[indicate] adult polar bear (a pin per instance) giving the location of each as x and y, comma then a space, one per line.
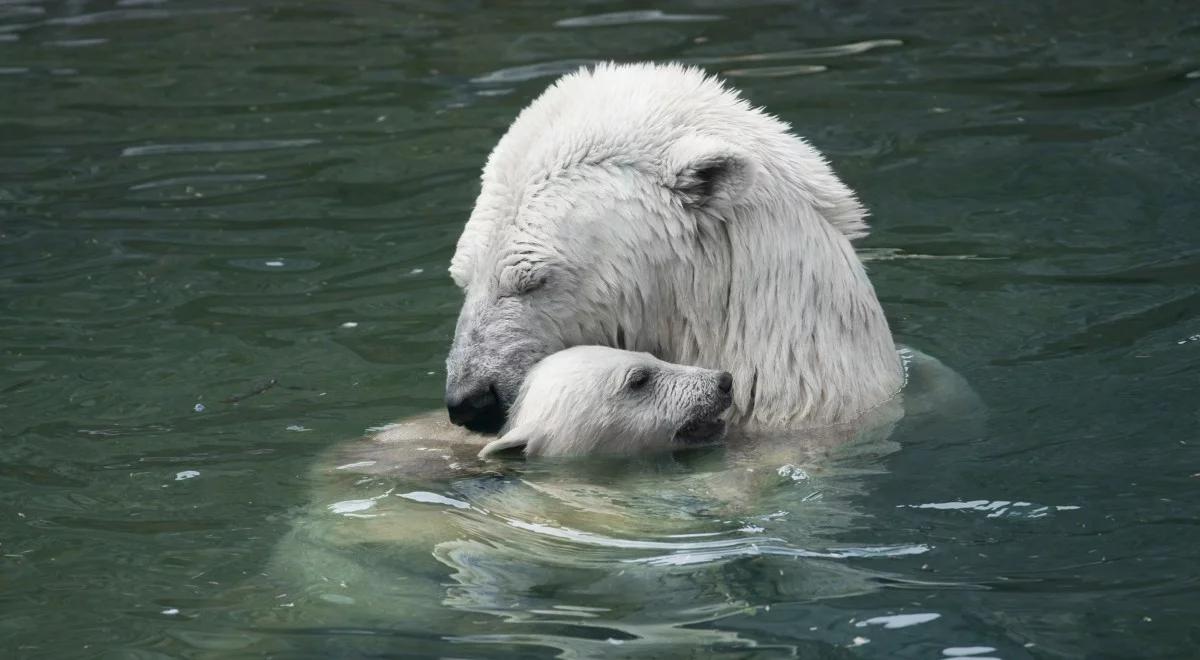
649, 207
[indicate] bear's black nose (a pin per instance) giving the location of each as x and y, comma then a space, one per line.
725, 382
479, 410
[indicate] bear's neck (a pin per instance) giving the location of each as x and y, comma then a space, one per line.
800, 326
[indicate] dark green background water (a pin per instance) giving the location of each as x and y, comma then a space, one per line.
196, 196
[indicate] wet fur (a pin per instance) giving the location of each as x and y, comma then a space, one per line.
651, 207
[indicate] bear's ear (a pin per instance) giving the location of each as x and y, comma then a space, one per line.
514, 439
708, 172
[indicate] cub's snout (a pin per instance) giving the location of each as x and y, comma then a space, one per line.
704, 425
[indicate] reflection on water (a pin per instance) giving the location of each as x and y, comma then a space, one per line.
637, 558
224, 228
643, 553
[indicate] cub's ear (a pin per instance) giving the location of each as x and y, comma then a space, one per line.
514, 439
706, 172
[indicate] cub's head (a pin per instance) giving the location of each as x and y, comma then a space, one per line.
598, 400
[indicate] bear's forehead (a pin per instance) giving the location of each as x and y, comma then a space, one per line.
629, 115
614, 120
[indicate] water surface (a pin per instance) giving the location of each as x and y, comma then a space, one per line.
224, 229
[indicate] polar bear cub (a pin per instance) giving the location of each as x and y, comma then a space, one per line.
600, 400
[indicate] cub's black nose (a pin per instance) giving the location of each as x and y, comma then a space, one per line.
479, 409
725, 382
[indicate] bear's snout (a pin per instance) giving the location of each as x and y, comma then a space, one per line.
477, 407
725, 382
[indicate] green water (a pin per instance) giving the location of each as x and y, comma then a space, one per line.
199, 199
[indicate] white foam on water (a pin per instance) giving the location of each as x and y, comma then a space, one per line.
426, 497
993, 508
899, 620
966, 651
351, 506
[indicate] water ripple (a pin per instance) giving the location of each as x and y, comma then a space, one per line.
135, 15
75, 43
996, 508
632, 17
704, 552
531, 71
840, 50
755, 549
198, 179
776, 71
229, 146
779, 71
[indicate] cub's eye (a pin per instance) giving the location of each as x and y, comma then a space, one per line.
637, 379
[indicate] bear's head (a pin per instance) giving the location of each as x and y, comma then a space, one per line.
598, 400
649, 208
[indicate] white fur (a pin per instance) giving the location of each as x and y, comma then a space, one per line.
581, 401
596, 224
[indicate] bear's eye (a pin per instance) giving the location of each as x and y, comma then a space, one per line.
637, 379
521, 279
532, 282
